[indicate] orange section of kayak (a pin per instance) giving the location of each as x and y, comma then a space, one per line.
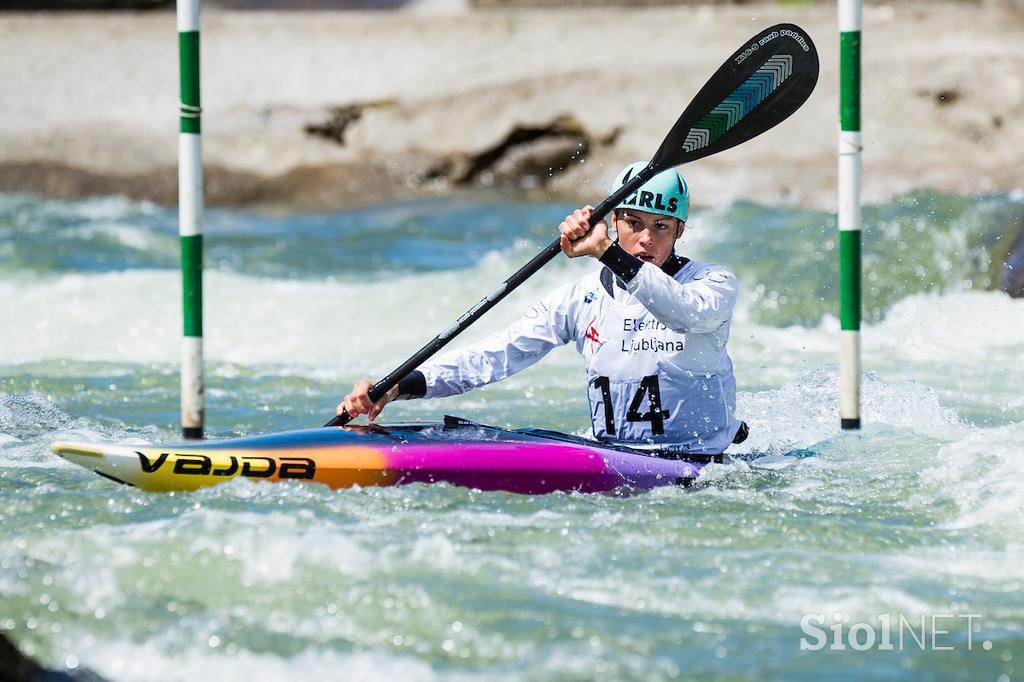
160, 469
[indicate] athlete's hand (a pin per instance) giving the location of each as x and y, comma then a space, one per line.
579, 239
358, 401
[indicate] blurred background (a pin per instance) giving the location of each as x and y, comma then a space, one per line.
306, 107
394, 4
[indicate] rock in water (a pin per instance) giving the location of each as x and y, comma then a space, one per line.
16, 667
1012, 278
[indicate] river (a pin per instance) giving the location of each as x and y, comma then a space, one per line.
781, 565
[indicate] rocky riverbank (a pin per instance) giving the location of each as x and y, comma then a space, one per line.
331, 109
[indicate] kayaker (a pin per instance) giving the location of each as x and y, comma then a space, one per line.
651, 326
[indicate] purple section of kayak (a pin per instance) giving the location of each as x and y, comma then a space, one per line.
534, 467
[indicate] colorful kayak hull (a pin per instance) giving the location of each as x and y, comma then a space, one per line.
467, 455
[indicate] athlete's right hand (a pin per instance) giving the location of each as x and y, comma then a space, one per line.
579, 238
358, 401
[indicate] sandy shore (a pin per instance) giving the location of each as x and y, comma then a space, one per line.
91, 103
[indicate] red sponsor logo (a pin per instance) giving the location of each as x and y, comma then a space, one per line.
593, 336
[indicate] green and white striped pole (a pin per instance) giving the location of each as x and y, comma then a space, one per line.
849, 213
190, 221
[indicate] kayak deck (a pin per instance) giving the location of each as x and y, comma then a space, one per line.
457, 452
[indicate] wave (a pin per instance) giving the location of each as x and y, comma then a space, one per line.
926, 241
135, 315
248, 320
109, 234
785, 256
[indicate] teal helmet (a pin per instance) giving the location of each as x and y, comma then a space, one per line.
665, 193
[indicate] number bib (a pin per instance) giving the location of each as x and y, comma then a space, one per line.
649, 384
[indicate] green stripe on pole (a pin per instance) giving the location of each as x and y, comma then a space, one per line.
188, 54
849, 280
849, 80
192, 283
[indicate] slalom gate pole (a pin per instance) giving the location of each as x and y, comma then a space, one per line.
849, 213
190, 221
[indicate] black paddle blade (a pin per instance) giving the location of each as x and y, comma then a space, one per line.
760, 86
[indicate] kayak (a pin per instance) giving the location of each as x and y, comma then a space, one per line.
457, 451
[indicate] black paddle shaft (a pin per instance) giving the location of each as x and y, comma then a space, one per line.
379, 389
767, 79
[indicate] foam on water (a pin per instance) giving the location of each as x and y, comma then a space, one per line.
209, 659
323, 325
951, 327
983, 473
801, 412
249, 321
24, 416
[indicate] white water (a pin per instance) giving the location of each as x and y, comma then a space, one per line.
920, 513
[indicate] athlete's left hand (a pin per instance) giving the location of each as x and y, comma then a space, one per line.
358, 401
579, 239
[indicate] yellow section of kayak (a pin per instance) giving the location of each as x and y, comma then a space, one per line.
162, 469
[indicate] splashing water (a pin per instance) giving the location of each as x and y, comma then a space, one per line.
917, 516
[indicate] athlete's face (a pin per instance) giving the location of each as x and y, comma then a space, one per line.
648, 236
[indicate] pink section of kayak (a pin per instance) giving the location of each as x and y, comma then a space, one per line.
533, 467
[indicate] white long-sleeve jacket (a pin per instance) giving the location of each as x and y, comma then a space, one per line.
654, 348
